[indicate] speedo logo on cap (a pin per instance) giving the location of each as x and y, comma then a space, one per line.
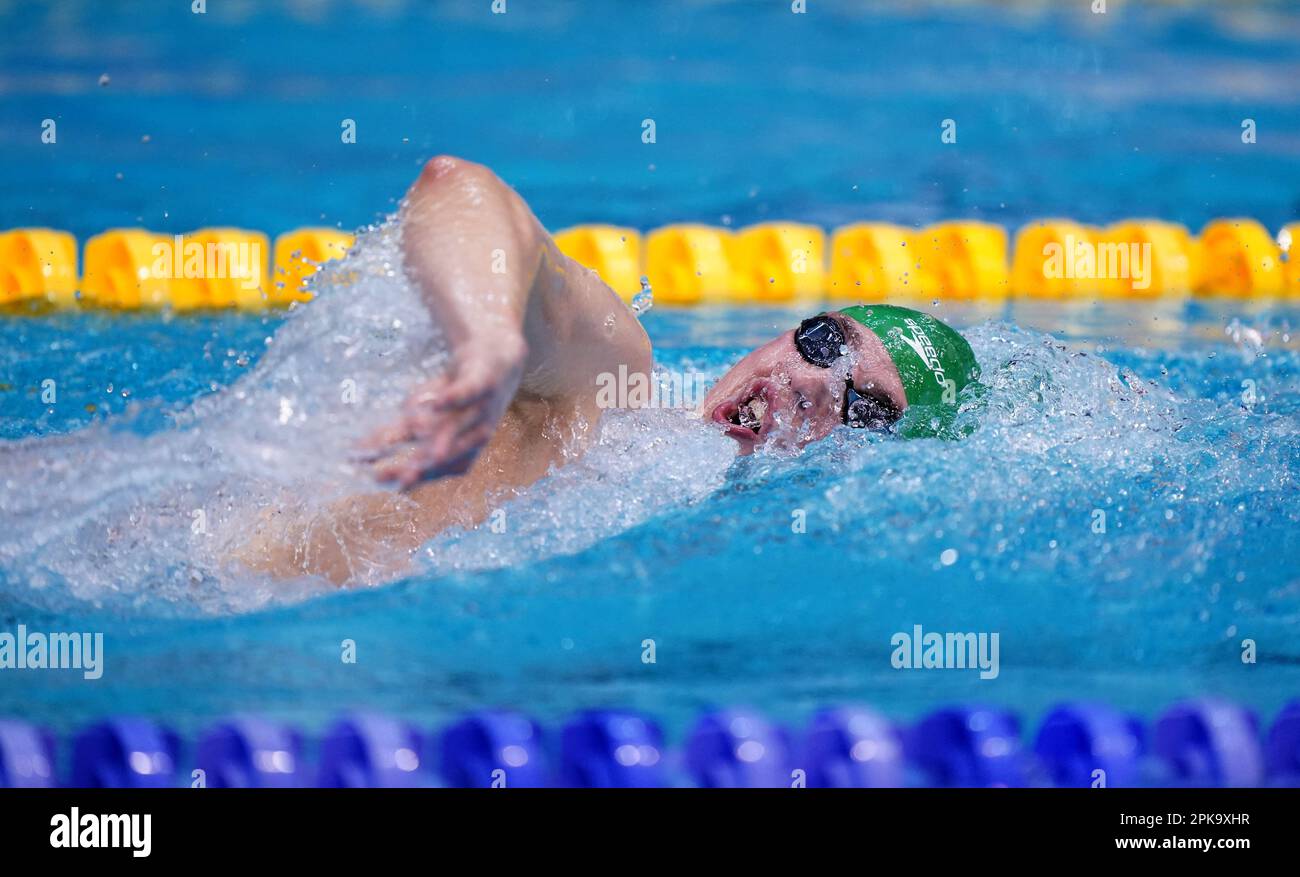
923, 347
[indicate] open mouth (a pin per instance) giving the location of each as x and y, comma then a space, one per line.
748, 416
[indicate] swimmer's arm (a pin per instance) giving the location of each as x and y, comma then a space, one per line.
519, 316
472, 249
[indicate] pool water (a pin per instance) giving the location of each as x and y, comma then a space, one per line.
1177, 422
660, 534
234, 117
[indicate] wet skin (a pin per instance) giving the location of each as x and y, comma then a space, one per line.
774, 394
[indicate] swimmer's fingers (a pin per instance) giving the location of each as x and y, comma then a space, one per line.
388, 441
400, 468
466, 389
378, 443
453, 452
386, 447
473, 413
408, 471
413, 426
443, 426
451, 395
446, 455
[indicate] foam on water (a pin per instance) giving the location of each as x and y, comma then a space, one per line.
110, 515
645, 463
1079, 468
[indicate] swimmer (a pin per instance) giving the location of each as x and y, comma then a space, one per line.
529, 332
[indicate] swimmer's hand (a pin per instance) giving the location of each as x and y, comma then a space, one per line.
446, 422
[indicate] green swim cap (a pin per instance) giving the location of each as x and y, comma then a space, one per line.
927, 353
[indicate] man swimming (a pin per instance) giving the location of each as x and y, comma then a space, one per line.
529, 332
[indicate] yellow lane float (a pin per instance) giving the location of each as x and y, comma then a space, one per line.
1288, 240
872, 261
961, 260
128, 268
1146, 258
690, 264
1239, 258
1055, 258
38, 263
612, 252
298, 255
780, 262
219, 268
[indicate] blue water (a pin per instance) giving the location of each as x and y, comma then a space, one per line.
828, 117
658, 534
1200, 550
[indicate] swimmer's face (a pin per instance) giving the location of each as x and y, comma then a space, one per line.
774, 394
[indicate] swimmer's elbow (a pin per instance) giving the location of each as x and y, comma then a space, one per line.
454, 177
455, 200
444, 170
440, 166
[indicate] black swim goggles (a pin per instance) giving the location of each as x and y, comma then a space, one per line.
820, 340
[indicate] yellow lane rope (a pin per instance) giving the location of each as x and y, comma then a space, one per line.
687, 264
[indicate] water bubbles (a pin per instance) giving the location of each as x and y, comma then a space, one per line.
643, 300
643, 463
275, 438
1249, 339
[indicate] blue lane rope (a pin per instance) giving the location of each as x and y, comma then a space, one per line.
1203, 742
